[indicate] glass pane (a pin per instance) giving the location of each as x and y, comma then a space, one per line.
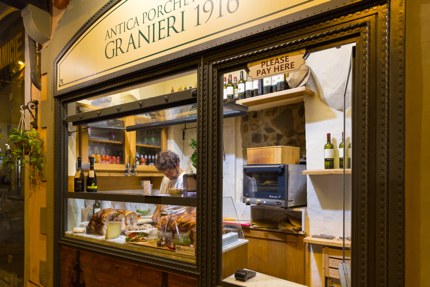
175, 83
132, 185
275, 168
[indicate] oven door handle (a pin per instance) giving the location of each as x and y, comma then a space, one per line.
264, 168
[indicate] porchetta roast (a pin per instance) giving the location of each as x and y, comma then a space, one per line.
100, 220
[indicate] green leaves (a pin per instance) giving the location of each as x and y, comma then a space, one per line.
21, 144
193, 158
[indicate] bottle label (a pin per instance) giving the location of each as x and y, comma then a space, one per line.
329, 153
241, 88
248, 86
255, 84
79, 185
92, 187
230, 90
267, 81
91, 173
224, 95
341, 152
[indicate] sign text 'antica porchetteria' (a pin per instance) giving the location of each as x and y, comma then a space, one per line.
161, 22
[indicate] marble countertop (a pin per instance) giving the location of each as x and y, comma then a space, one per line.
263, 280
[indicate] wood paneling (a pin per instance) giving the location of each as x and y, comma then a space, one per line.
176, 280
277, 254
100, 271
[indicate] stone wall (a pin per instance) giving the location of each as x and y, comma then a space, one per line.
283, 125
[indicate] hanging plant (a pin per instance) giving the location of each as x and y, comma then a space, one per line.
24, 146
193, 158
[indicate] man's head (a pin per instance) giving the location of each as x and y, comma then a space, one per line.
168, 163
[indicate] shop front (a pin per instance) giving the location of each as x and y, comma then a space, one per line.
225, 143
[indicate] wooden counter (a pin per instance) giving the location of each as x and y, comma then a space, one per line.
262, 280
327, 242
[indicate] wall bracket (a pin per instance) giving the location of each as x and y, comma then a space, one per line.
32, 106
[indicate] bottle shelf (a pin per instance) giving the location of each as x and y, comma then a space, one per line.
105, 169
95, 140
148, 146
336, 171
285, 97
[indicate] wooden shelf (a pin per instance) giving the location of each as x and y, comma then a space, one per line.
104, 141
129, 196
327, 242
148, 146
337, 171
105, 169
286, 97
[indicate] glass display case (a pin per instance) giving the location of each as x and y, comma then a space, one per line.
232, 229
130, 224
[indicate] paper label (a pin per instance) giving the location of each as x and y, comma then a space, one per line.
241, 88
329, 153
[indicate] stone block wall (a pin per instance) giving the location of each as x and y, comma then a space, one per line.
283, 125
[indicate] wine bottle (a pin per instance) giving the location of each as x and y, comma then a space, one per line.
241, 87
92, 177
328, 153
224, 92
349, 155
341, 153
96, 207
230, 89
267, 85
286, 86
235, 88
79, 177
275, 83
255, 87
248, 87
280, 85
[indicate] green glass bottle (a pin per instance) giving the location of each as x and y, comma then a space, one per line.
241, 87
230, 89
341, 153
96, 207
79, 177
248, 87
328, 153
349, 155
224, 92
92, 177
235, 89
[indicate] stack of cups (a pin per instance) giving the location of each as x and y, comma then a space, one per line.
147, 187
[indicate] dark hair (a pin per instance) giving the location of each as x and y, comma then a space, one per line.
166, 160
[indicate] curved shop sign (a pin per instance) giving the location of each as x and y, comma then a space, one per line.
135, 33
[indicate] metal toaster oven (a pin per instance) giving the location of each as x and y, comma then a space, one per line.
274, 184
